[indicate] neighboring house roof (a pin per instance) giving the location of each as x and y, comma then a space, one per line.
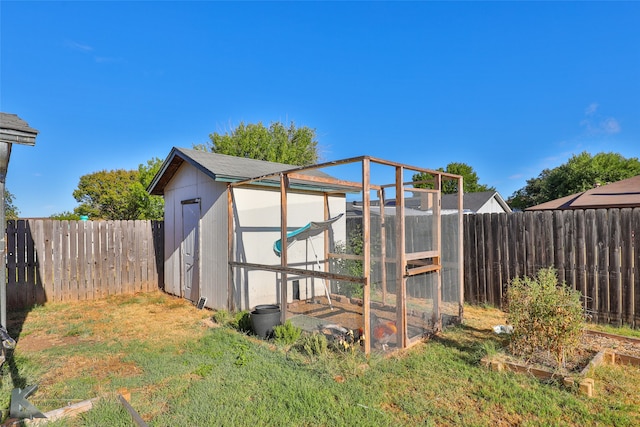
15, 130
483, 202
471, 202
621, 194
220, 167
476, 202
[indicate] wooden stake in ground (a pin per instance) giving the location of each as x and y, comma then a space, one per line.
136, 417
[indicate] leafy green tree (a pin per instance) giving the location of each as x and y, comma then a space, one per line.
580, 173
277, 143
10, 209
66, 215
106, 195
119, 194
469, 180
150, 207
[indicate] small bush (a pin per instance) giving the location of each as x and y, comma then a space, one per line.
242, 321
286, 334
222, 317
544, 316
312, 345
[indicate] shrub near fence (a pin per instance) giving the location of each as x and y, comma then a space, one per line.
51, 260
594, 251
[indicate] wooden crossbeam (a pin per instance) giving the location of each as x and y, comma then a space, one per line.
422, 269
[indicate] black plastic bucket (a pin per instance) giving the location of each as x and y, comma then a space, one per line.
267, 308
263, 323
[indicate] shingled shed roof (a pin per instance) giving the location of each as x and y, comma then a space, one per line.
15, 130
220, 167
621, 194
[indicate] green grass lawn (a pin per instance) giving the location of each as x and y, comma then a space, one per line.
180, 370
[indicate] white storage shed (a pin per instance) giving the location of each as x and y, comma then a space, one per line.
194, 184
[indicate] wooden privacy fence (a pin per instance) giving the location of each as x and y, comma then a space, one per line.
594, 251
51, 260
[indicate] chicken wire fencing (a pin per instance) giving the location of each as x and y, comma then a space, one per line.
372, 264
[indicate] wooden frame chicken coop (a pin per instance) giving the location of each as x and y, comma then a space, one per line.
355, 248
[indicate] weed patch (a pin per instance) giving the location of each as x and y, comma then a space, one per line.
545, 316
287, 333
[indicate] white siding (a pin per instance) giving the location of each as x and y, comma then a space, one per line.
492, 206
214, 266
258, 228
190, 183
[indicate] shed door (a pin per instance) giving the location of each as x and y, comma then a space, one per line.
190, 244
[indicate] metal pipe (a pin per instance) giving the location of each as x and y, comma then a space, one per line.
5, 153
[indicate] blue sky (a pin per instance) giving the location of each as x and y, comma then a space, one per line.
509, 88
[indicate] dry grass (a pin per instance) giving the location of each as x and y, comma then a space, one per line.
166, 353
59, 339
154, 317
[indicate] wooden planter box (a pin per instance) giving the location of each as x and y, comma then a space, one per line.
586, 384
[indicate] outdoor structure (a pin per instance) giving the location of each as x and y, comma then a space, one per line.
473, 203
620, 194
477, 203
13, 130
391, 279
196, 257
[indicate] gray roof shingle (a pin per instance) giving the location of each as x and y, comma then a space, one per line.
220, 167
15, 130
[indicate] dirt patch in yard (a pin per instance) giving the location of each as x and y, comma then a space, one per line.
152, 317
96, 368
33, 343
52, 335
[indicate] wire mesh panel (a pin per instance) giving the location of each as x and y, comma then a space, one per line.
390, 269
451, 268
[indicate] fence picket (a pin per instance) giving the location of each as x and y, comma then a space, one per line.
581, 256
470, 276
602, 230
594, 251
626, 265
480, 259
56, 255
50, 260
635, 235
559, 252
46, 261
11, 253
529, 247
74, 292
488, 259
569, 249
591, 263
615, 276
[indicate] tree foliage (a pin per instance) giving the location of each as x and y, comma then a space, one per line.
469, 180
276, 143
65, 216
119, 194
11, 211
580, 173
